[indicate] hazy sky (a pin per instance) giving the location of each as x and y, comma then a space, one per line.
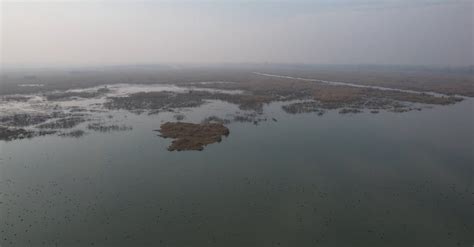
92, 32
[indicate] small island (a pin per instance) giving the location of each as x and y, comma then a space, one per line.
191, 136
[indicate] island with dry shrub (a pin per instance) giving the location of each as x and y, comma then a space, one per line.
191, 136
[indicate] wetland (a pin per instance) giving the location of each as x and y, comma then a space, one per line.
91, 159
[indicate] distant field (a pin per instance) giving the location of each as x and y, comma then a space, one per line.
446, 81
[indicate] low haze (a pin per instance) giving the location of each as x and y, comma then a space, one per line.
58, 33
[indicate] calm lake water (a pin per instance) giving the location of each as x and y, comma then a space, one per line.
387, 179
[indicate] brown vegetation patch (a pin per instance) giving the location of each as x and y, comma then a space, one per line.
304, 107
338, 94
190, 136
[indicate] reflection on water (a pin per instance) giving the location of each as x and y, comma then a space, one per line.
335, 180
38, 103
127, 89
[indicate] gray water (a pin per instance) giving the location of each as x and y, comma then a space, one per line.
386, 179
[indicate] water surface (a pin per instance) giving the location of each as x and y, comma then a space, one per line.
386, 179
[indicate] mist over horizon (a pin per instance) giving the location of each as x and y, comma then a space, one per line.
102, 33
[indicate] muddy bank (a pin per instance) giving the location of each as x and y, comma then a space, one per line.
190, 136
